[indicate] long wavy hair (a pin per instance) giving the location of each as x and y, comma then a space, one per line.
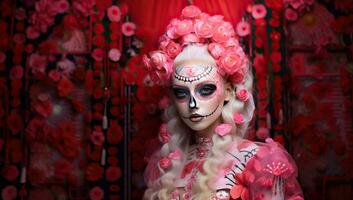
181, 138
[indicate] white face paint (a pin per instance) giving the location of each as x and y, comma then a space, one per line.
199, 94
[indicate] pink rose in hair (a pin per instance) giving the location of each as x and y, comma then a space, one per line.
171, 33
173, 49
238, 77
231, 62
223, 32
184, 27
232, 42
242, 94
158, 58
215, 20
238, 118
216, 50
223, 129
203, 29
191, 12
147, 62
164, 163
189, 38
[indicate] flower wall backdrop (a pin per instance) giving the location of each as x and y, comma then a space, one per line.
80, 116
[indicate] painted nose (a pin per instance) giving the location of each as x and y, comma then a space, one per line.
192, 103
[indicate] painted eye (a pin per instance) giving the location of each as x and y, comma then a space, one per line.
207, 90
180, 93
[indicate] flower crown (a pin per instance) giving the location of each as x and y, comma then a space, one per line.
196, 27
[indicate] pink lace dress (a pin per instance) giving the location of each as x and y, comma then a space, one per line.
250, 171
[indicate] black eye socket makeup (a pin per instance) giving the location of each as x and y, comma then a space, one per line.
206, 90
180, 93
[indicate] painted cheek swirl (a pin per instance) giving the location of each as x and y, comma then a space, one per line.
190, 79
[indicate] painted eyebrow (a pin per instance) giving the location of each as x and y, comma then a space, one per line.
193, 78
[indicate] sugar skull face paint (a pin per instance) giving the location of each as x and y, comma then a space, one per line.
199, 94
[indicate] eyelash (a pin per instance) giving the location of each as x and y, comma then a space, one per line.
180, 93
203, 91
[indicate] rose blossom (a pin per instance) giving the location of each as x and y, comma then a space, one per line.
242, 94
231, 62
97, 137
38, 63
259, 11
32, 33
164, 163
183, 27
128, 28
238, 118
96, 193
291, 15
216, 50
62, 6
203, 29
9, 193
10, 172
223, 32
97, 54
243, 29
114, 14
158, 58
173, 49
54, 75
114, 54
113, 173
190, 12
223, 129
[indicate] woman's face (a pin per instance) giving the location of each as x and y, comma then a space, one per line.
198, 94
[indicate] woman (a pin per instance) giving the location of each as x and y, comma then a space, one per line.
204, 155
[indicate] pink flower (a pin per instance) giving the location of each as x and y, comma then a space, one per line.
164, 163
238, 118
16, 72
62, 6
189, 38
54, 75
113, 173
243, 29
114, 54
203, 29
164, 134
32, 33
242, 94
259, 11
190, 12
9, 193
128, 28
223, 32
223, 129
97, 137
262, 133
175, 155
183, 27
20, 14
114, 14
291, 15
158, 58
96, 193
231, 61
216, 50
173, 49
10, 172
38, 63
2, 57
97, 54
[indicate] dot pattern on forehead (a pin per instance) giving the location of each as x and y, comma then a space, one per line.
193, 78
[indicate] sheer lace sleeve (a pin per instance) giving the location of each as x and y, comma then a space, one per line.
269, 175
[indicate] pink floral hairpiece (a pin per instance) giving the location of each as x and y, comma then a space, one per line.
196, 27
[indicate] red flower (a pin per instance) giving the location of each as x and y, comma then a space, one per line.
98, 28
259, 11
37, 129
243, 29
113, 173
276, 57
94, 172
15, 123
70, 22
10, 172
114, 13
9, 193
96, 193
128, 28
115, 133
112, 160
65, 87
240, 190
97, 137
